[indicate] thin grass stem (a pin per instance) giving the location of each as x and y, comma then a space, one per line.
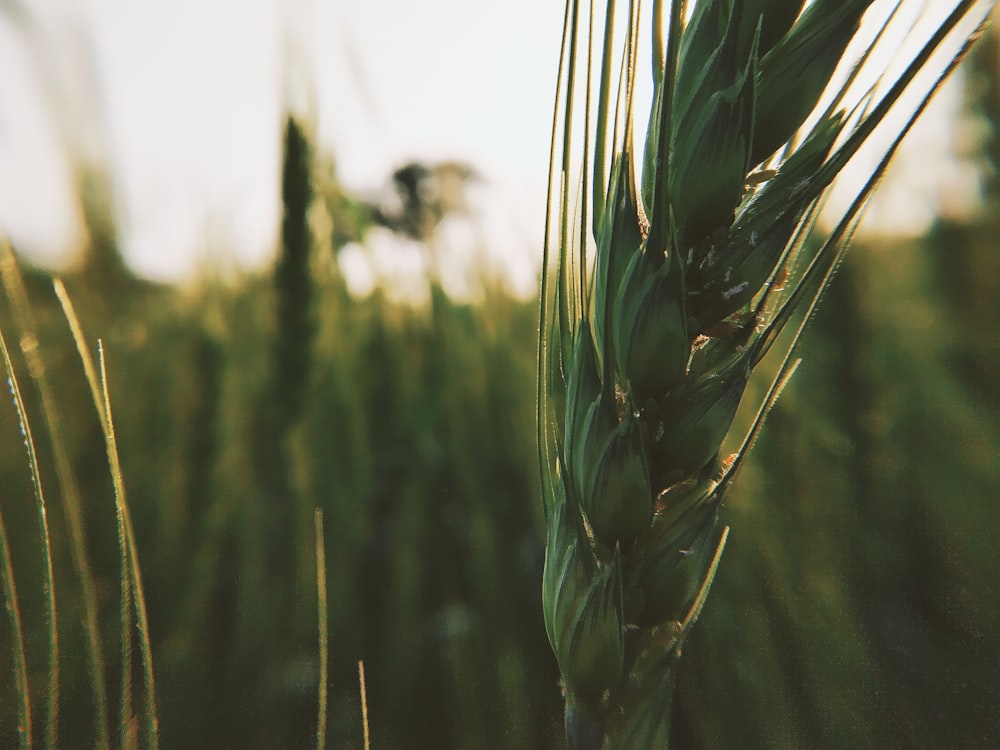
21, 687
364, 705
134, 571
52, 673
68, 485
126, 733
323, 630
131, 575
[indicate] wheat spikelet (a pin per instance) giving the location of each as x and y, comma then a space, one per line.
665, 289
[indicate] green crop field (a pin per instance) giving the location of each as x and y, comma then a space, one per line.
176, 602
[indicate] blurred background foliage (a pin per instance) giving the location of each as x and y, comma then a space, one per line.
856, 606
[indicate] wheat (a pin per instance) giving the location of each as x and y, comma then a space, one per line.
672, 270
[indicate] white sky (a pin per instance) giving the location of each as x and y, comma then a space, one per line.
182, 100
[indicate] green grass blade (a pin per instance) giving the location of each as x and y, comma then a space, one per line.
21, 687
126, 729
52, 672
323, 630
363, 686
134, 571
131, 576
68, 485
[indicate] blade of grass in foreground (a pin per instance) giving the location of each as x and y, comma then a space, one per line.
131, 575
52, 685
324, 648
10, 601
364, 704
69, 488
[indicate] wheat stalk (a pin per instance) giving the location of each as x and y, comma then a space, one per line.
672, 270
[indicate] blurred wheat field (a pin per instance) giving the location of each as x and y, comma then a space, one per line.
856, 605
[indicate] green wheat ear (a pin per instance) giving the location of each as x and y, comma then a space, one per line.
664, 290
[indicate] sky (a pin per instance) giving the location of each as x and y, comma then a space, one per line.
181, 101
